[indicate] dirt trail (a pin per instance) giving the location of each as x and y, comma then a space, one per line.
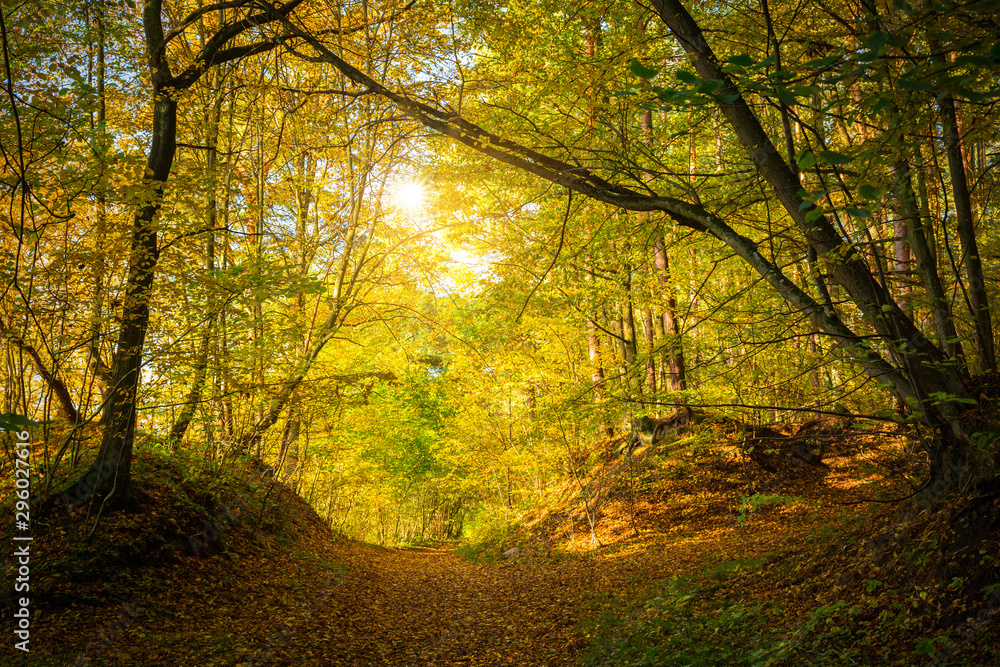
322, 600
341, 603
430, 607
415, 607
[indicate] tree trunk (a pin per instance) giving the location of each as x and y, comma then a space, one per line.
110, 475
98, 272
650, 334
967, 234
673, 349
926, 265
963, 215
180, 426
193, 397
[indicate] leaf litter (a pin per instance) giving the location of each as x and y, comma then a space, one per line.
276, 587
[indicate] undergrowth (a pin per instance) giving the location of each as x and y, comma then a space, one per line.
488, 535
841, 599
680, 622
181, 507
195, 535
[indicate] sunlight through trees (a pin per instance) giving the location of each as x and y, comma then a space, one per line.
222, 233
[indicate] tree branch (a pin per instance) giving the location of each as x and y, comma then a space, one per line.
66, 407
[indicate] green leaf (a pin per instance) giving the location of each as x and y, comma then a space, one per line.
910, 84
785, 96
15, 422
708, 86
805, 159
868, 192
804, 91
883, 102
818, 63
641, 70
766, 62
859, 212
814, 214
742, 60
686, 76
876, 41
835, 158
977, 60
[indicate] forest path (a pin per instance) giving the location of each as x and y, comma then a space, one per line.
428, 606
292, 593
323, 600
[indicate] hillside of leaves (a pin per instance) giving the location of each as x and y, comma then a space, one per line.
743, 553
718, 544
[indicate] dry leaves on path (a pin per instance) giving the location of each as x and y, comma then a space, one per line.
430, 607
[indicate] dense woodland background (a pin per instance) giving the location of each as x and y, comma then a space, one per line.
213, 242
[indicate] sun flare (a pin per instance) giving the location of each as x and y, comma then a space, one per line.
410, 195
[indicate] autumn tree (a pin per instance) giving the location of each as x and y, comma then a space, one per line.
167, 52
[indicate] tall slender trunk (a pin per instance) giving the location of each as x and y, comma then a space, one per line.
650, 335
596, 360
672, 346
967, 234
99, 233
926, 266
965, 224
288, 453
193, 398
901, 263
110, 475
629, 333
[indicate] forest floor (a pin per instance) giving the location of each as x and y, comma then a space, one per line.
201, 572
